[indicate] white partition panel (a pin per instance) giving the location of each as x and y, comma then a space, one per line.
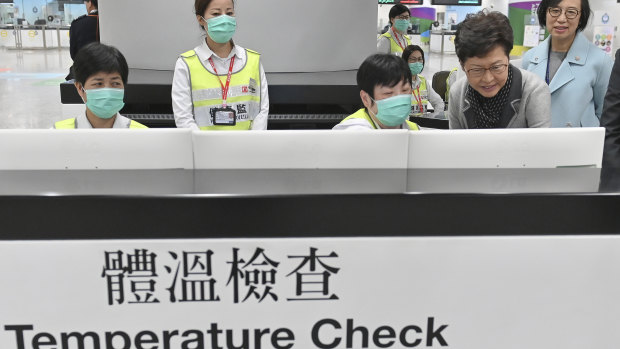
507, 148
291, 35
300, 149
95, 149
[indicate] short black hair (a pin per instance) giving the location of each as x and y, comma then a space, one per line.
95, 58
480, 33
397, 10
95, 3
411, 49
544, 6
382, 69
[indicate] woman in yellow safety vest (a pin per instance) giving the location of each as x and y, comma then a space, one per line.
421, 91
385, 90
219, 85
100, 73
395, 39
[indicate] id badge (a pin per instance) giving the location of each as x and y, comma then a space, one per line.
224, 116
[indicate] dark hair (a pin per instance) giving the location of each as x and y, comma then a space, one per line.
382, 69
397, 10
95, 58
411, 49
480, 33
94, 2
546, 4
200, 6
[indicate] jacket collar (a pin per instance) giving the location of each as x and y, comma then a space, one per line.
512, 102
576, 55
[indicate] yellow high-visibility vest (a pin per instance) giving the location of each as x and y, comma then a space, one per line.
243, 93
423, 96
70, 124
362, 114
394, 46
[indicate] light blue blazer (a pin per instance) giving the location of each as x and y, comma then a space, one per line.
579, 86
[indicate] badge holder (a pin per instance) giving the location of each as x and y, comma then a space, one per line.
224, 116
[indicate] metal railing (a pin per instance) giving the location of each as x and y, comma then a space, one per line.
19, 30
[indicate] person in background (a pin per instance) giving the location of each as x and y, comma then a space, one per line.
84, 30
455, 74
101, 73
495, 94
219, 85
385, 89
421, 90
395, 39
576, 71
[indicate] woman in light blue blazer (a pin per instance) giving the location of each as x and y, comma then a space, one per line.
576, 71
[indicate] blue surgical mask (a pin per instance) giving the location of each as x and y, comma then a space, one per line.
221, 28
393, 111
416, 68
105, 102
401, 24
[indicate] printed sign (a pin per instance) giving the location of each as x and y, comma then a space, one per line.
466, 293
531, 35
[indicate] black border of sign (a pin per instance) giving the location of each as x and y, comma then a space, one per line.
195, 216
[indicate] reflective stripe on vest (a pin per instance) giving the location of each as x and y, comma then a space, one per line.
394, 46
362, 114
423, 95
70, 124
243, 93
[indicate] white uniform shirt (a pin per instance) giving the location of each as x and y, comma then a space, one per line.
182, 90
81, 122
358, 124
433, 97
384, 45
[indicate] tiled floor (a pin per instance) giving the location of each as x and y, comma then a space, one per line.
29, 92
30, 95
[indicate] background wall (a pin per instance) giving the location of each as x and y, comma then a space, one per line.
291, 35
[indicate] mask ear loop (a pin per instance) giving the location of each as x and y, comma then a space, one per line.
83, 90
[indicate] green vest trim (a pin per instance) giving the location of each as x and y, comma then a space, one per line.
70, 124
394, 46
362, 114
243, 94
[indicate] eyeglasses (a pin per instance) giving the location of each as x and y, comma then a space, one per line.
494, 69
403, 17
570, 13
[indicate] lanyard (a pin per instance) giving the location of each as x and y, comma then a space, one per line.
418, 98
224, 88
547, 80
398, 40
